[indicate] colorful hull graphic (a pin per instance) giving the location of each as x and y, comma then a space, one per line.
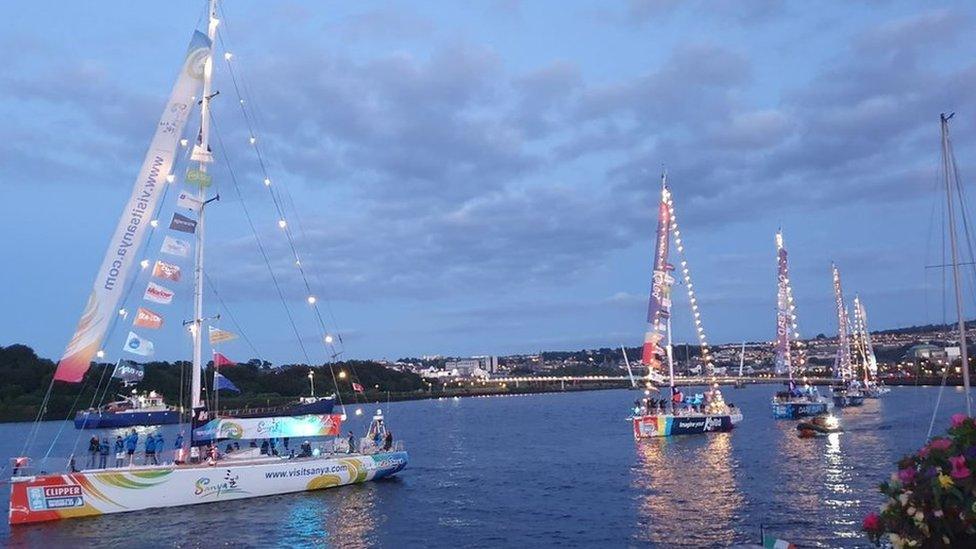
666, 425
796, 410
90, 493
113, 420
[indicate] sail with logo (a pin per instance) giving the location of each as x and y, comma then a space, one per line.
153, 261
676, 413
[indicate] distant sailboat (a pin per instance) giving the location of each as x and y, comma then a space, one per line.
740, 383
795, 402
864, 349
676, 415
847, 392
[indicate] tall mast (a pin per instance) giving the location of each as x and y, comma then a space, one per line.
202, 155
842, 364
949, 168
784, 309
742, 358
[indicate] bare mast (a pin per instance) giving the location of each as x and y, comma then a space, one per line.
949, 169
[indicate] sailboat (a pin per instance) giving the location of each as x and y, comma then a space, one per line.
678, 414
867, 361
847, 391
203, 474
795, 402
740, 382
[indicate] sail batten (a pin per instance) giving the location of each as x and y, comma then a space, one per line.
133, 226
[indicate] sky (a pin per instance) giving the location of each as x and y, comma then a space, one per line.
468, 178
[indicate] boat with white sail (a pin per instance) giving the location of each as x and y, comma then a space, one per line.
867, 362
847, 389
676, 414
796, 401
212, 465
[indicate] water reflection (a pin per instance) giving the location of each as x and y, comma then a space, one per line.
687, 493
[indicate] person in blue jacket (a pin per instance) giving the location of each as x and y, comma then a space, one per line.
160, 446
131, 442
151, 450
103, 449
119, 451
177, 449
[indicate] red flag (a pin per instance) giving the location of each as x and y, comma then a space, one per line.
221, 360
357, 387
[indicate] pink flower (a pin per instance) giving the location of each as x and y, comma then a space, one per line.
959, 419
872, 523
959, 469
907, 475
940, 444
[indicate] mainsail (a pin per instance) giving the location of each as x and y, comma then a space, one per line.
131, 231
842, 362
862, 338
784, 363
659, 305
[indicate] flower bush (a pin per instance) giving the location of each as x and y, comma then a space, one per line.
931, 499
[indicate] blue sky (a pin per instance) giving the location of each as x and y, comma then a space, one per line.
480, 177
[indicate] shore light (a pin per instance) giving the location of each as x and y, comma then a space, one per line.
342, 374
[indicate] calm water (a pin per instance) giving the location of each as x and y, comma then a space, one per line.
554, 469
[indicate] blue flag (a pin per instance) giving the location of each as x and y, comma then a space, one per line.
221, 382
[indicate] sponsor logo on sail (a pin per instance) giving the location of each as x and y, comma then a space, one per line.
158, 294
148, 319
183, 223
166, 271
175, 246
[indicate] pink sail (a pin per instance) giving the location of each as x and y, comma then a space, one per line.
659, 304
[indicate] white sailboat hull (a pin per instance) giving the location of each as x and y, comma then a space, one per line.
98, 492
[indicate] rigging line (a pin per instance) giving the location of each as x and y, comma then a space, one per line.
329, 348
252, 123
230, 314
257, 238
964, 211
280, 211
94, 396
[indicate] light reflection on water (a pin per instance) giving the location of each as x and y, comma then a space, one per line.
695, 504
551, 469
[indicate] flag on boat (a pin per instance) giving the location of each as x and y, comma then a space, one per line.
221, 360
357, 387
130, 232
175, 246
188, 201
772, 542
183, 223
128, 371
221, 382
166, 271
146, 318
158, 294
219, 336
137, 345
199, 178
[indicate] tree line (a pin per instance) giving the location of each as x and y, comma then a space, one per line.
25, 378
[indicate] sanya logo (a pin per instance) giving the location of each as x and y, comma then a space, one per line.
228, 485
